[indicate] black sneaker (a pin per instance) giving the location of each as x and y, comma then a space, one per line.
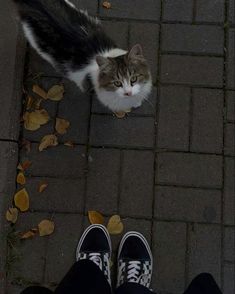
135, 260
95, 245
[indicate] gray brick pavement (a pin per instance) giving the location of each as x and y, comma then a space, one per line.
183, 138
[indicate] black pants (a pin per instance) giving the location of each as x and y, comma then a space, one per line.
86, 278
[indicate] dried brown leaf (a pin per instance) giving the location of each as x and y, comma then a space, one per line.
69, 144
95, 217
115, 225
25, 165
107, 4
29, 102
21, 178
21, 200
12, 215
56, 93
46, 227
48, 141
39, 91
30, 234
62, 125
42, 186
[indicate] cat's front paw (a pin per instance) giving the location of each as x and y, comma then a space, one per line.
122, 114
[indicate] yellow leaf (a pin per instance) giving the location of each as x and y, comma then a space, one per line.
56, 93
95, 217
21, 199
39, 116
47, 141
39, 91
69, 144
12, 215
120, 114
107, 4
30, 234
61, 125
21, 179
42, 186
28, 124
46, 227
115, 225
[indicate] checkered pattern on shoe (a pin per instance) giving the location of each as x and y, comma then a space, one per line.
102, 260
135, 271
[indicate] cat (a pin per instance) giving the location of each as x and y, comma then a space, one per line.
76, 45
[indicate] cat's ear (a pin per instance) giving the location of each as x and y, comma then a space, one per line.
135, 51
101, 61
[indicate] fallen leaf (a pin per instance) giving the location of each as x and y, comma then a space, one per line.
95, 217
42, 186
69, 144
46, 227
30, 234
29, 102
37, 103
25, 165
56, 93
12, 215
21, 200
20, 167
28, 124
106, 4
39, 91
21, 179
120, 114
61, 125
115, 225
48, 141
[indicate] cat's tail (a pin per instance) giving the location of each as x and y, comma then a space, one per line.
56, 29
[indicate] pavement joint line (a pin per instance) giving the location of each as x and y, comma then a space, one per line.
191, 113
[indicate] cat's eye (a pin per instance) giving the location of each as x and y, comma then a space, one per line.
133, 79
118, 83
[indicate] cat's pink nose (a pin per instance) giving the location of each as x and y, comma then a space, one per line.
129, 93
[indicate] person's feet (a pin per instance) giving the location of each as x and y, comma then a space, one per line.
95, 245
135, 260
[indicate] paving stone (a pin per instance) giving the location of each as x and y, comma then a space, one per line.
118, 31
173, 122
38, 66
137, 183
75, 107
184, 169
13, 289
229, 191
229, 282
124, 9
90, 6
229, 145
210, 11
12, 52
231, 11
103, 180
198, 205
148, 41
60, 161
148, 108
229, 244
180, 10
192, 70
30, 266
230, 106
61, 195
207, 121
192, 39
130, 131
169, 256
230, 61
62, 246
205, 250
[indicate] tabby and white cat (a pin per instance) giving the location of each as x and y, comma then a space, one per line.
75, 44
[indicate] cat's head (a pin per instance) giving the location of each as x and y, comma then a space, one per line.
126, 75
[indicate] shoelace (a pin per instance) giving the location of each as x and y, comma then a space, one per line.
133, 272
